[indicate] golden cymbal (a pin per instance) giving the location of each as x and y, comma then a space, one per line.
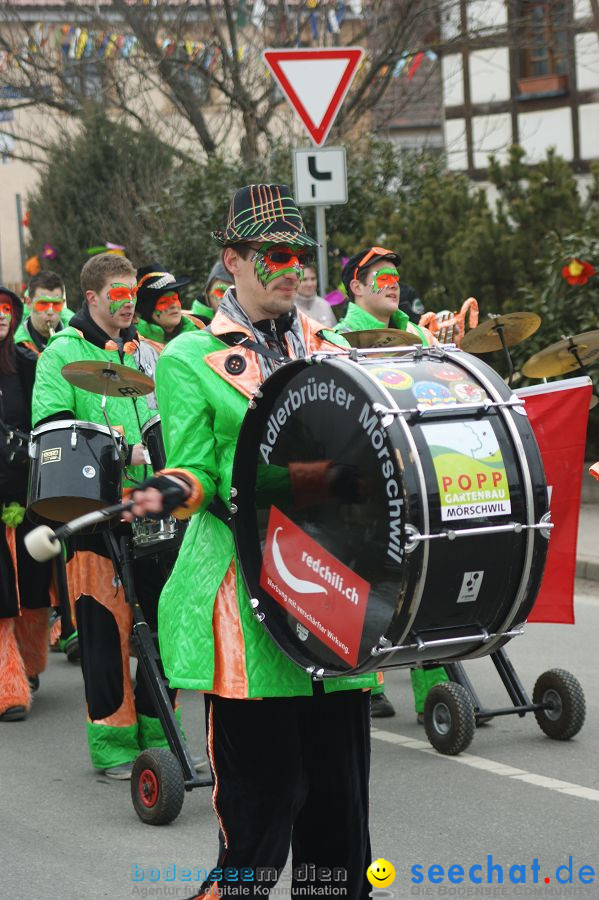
108, 378
517, 326
380, 337
558, 358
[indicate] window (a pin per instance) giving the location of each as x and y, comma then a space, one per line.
543, 39
83, 79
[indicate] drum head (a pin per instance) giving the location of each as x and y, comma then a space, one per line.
322, 497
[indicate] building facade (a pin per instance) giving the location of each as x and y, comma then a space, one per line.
520, 72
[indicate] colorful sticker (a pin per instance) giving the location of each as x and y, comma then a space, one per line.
470, 470
468, 392
446, 372
429, 393
390, 377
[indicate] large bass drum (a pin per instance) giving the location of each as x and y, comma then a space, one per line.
389, 510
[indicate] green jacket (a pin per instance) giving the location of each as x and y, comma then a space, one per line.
202, 309
154, 332
357, 319
52, 393
202, 406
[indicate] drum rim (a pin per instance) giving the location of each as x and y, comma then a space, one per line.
67, 425
150, 423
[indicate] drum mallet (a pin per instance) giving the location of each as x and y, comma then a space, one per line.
43, 543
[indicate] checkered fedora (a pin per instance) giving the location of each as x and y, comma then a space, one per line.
264, 212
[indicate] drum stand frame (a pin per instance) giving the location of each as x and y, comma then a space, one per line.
514, 687
147, 656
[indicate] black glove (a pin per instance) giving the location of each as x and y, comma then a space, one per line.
173, 495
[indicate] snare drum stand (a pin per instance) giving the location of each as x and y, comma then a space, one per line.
157, 782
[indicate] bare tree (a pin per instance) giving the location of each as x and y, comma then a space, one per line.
193, 69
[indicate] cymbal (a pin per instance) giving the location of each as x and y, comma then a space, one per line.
108, 378
557, 359
380, 337
517, 326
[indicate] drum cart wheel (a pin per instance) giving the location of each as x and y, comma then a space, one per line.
558, 701
563, 705
157, 786
449, 718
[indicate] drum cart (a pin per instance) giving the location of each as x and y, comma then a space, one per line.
453, 709
159, 778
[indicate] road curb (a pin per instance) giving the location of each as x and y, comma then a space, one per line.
587, 568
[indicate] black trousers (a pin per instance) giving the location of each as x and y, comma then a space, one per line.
292, 772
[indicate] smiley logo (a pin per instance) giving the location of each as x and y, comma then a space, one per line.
380, 873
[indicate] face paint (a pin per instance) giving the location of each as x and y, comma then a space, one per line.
384, 278
43, 304
167, 301
6, 311
119, 295
273, 260
219, 290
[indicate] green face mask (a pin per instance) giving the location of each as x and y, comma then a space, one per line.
384, 278
275, 260
119, 295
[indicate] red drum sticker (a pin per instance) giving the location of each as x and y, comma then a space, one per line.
468, 392
314, 587
446, 373
470, 470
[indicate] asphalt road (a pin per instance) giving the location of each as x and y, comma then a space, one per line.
67, 832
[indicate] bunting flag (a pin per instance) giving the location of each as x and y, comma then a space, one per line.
415, 64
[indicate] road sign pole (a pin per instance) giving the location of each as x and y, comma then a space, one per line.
321, 237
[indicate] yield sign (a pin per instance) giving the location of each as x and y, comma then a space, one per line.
315, 82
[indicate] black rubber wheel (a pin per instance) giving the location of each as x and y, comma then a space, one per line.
157, 787
565, 716
449, 718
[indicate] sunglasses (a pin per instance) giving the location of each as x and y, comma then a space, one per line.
282, 256
5, 309
45, 303
374, 251
168, 300
121, 293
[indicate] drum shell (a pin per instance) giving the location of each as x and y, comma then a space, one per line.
151, 436
74, 469
425, 598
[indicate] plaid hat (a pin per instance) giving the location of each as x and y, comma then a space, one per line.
267, 213
363, 260
152, 282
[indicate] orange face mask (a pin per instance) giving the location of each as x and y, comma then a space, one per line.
45, 303
6, 310
167, 301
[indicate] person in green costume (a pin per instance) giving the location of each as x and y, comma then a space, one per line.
371, 279
121, 720
286, 751
219, 281
50, 285
158, 309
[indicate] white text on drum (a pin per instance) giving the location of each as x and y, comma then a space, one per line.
332, 578
307, 393
371, 425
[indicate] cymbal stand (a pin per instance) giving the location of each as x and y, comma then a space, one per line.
498, 329
573, 349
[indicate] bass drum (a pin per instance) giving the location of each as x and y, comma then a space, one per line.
389, 509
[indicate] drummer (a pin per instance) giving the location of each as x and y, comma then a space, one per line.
283, 764
47, 313
24, 584
121, 721
371, 279
159, 314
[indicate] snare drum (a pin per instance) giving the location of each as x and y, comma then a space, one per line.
151, 437
76, 468
390, 510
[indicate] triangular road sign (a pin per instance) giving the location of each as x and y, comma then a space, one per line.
315, 82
